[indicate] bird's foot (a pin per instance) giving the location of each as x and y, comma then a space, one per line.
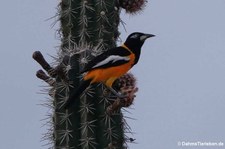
120, 95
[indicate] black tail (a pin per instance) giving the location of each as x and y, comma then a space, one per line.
76, 93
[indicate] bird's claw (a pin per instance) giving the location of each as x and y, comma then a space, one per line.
120, 95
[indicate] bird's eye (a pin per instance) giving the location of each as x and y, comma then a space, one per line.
134, 36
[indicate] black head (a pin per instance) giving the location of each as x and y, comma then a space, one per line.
135, 40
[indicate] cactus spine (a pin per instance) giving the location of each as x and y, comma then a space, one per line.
88, 28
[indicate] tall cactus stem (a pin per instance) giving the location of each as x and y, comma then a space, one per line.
96, 120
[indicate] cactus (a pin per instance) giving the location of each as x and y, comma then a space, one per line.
87, 28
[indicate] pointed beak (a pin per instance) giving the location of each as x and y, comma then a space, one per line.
149, 35
145, 36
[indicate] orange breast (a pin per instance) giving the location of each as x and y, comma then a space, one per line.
104, 74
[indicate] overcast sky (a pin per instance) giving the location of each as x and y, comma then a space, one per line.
181, 73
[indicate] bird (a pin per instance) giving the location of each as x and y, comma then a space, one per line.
110, 65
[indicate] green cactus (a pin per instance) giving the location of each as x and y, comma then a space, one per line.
87, 29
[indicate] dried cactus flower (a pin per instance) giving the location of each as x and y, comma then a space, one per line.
126, 85
132, 6
130, 95
126, 81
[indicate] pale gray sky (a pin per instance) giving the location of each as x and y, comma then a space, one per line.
181, 74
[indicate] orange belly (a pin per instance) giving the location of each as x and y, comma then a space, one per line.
108, 74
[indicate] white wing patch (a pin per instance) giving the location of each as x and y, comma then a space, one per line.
113, 58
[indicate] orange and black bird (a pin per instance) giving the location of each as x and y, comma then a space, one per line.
110, 65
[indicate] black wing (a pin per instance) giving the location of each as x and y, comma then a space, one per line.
113, 57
